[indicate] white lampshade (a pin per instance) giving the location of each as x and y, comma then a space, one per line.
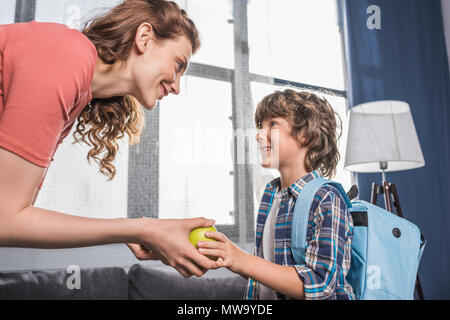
382, 131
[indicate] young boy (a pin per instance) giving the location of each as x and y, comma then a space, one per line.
297, 136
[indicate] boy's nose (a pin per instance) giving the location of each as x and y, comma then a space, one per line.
261, 135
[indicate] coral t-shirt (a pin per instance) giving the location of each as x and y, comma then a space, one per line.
46, 70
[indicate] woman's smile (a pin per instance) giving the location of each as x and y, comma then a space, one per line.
163, 91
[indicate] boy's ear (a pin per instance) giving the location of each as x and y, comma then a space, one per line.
303, 142
301, 138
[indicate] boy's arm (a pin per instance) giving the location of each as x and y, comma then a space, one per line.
283, 279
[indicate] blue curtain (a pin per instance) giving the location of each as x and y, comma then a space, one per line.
406, 60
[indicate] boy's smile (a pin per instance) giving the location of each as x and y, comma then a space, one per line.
265, 150
277, 146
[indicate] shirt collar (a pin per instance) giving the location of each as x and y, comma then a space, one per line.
295, 188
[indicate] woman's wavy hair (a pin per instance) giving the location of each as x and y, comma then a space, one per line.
103, 121
313, 123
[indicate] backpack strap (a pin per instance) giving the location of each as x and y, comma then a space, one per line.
301, 215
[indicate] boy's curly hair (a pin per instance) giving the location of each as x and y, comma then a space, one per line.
313, 123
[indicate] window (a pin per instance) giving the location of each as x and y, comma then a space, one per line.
214, 20
196, 154
297, 40
7, 11
72, 13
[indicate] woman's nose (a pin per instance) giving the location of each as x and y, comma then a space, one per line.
175, 86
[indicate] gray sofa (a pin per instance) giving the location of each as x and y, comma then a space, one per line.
134, 283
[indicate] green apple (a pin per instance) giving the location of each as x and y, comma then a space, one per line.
198, 234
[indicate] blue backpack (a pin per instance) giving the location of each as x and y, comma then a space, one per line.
386, 249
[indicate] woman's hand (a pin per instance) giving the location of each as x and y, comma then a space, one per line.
143, 253
168, 240
229, 255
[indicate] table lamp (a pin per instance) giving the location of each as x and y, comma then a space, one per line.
381, 137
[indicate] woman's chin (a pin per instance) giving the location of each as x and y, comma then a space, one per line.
150, 106
148, 103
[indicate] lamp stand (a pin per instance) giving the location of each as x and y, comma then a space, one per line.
390, 191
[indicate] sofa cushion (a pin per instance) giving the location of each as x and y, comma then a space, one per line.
98, 283
166, 284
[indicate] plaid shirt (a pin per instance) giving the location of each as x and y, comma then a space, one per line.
329, 236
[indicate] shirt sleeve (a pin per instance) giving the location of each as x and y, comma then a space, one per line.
44, 75
324, 253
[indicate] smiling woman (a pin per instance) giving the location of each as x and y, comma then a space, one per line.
50, 75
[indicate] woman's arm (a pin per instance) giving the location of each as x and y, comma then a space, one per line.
34, 227
36, 194
283, 279
22, 225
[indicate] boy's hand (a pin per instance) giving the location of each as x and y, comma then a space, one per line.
229, 255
